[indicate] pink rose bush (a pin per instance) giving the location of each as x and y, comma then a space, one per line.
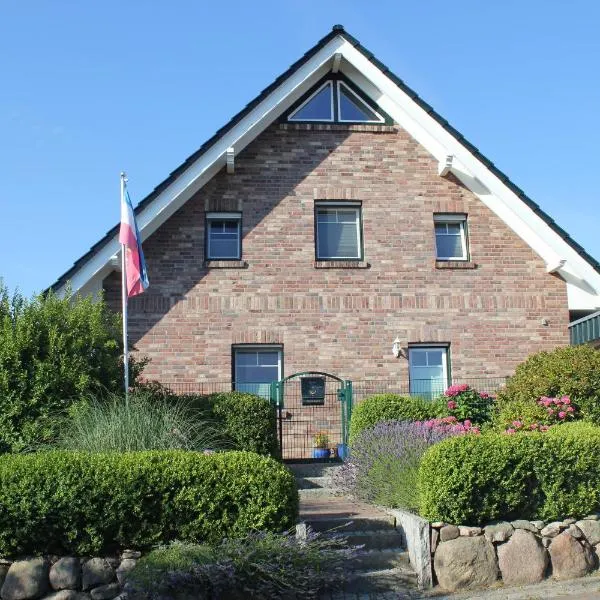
558, 410
465, 403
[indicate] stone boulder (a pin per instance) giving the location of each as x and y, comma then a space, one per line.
449, 532
26, 579
522, 559
106, 592
126, 566
570, 558
465, 563
63, 595
65, 573
95, 572
498, 532
591, 530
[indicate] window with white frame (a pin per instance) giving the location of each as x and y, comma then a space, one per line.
256, 367
223, 236
334, 101
451, 236
428, 370
338, 231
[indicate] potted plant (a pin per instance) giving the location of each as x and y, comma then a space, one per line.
321, 445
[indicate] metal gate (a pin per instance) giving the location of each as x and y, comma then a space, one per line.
313, 408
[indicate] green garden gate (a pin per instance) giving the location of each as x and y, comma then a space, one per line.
307, 404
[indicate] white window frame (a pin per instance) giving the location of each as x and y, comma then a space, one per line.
454, 219
356, 206
347, 88
412, 350
256, 348
315, 93
224, 216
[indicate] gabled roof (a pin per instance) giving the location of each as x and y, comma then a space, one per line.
562, 254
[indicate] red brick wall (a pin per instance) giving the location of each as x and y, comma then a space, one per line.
340, 320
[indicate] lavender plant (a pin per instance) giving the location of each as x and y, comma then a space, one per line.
262, 565
384, 461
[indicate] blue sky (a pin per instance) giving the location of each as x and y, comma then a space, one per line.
91, 88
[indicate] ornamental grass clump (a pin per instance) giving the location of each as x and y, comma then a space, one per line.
384, 460
260, 565
142, 423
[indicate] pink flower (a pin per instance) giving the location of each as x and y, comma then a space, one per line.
547, 401
451, 405
544, 428
467, 423
509, 431
550, 411
533, 426
562, 414
517, 424
484, 395
455, 390
570, 409
566, 400
556, 400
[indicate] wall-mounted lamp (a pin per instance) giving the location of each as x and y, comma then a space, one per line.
396, 349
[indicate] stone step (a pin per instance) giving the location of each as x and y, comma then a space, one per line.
317, 492
400, 580
379, 539
314, 469
377, 560
309, 483
347, 525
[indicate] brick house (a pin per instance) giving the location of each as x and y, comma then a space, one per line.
333, 216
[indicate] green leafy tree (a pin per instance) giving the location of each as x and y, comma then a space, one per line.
53, 352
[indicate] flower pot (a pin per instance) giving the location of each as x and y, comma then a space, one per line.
342, 451
320, 453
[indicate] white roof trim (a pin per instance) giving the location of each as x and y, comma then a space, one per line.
583, 282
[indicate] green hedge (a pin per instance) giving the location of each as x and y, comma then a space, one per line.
477, 479
248, 420
392, 407
69, 502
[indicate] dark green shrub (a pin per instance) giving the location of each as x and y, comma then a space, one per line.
249, 421
262, 565
392, 407
53, 351
476, 479
572, 371
71, 502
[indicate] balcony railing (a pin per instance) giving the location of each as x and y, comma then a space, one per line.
585, 330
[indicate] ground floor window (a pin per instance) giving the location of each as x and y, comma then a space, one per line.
428, 370
255, 367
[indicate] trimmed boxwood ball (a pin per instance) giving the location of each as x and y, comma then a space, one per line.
83, 503
476, 479
392, 407
572, 371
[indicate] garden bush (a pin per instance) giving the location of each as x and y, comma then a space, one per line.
572, 371
392, 407
262, 565
87, 503
53, 351
465, 403
384, 463
145, 422
477, 479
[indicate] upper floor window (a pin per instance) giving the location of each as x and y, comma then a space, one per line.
451, 236
333, 101
338, 231
223, 236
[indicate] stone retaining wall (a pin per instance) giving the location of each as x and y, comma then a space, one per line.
518, 552
66, 578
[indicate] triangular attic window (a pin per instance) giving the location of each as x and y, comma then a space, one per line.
353, 108
318, 107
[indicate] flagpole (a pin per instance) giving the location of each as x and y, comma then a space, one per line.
124, 302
